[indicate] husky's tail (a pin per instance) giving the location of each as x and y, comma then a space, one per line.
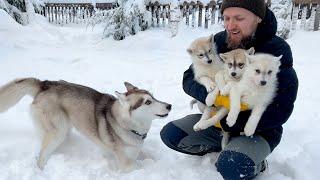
12, 92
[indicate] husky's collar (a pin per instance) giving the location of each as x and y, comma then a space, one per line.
143, 136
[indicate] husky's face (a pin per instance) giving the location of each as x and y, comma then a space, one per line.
202, 51
263, 68
235, 62
142, 105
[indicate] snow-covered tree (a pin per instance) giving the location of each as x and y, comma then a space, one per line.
282, 10
22, 13
127, 19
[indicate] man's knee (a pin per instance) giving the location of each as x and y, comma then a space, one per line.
234, 165
171, 135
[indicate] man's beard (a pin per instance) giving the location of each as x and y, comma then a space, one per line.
245, 42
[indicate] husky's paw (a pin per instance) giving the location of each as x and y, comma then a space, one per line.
224, 91
249, 130
41, 163
210, 99
201, 125
128, 167
210, 87
231, 119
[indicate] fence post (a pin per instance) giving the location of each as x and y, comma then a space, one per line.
206, 17
295, 11
193, 17
303, 17
317, 18
199, 7
188, 10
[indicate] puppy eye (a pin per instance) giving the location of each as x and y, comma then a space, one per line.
200, 55
209, 51
241, 65
269, 72
258, 71
148, 102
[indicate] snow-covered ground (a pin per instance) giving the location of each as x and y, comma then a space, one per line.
150, 60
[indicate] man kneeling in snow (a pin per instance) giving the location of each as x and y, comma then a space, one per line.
248, 23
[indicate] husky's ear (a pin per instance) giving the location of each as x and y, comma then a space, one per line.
122, 98
277, 59
129, 86
223, 57
249, 58
211, 39
190, 50
251, 51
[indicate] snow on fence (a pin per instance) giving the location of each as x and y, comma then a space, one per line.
195, 14
65, 13
308, 11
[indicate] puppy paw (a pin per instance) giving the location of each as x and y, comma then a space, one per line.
224, 92
201, 125
249, 130
210, 87
210, 99
231, 120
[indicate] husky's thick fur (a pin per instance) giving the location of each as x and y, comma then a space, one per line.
117, 125
235, 63
256, 88
205, 63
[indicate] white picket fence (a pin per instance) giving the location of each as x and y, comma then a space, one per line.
195, 14
309, 15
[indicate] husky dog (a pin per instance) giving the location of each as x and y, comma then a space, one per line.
256, 88
205, 63
235, 63
117, 125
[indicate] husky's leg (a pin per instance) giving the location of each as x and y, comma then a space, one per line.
204, 124
253, 120
208, 83
225, 139
211, 97
54, 127
206, 115
235, 103
126, 158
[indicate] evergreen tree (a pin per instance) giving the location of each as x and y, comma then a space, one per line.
127, 19
22, 12
282, 10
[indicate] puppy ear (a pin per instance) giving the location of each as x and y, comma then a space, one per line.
190, 51
277, 59
211, 39
122, 98
249, 58
129, 86
223, 57
251, 51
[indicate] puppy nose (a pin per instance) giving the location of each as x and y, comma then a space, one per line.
233, 74
210, 61
169, 107
263, 83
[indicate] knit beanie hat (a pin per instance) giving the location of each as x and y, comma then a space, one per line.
257, 7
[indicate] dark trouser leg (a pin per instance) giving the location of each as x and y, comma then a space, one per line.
242, 157
180, 136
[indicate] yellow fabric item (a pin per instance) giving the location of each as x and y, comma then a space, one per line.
225, 102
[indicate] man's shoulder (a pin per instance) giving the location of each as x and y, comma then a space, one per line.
276, 44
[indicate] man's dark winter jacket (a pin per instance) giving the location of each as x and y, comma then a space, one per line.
278, 112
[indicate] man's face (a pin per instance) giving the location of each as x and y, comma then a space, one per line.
240, 25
